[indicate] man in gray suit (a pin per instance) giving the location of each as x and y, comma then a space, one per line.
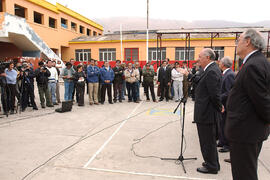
248, 107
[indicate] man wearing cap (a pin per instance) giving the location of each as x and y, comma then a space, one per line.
42, 74
68, 75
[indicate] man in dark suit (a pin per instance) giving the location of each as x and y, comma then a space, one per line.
248, 107
208, 110
228, 77
164, 80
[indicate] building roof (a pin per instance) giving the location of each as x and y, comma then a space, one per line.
58, 7
142, 37
169, 35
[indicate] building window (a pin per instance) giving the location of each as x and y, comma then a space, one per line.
81, 29
219, 50
99, 34
38, 18
94, 33
131, 54
181, 54
2, 5
73, 26
83, 54
20, 11
52, 22
107, 54
88, 32
64, 23
153, 54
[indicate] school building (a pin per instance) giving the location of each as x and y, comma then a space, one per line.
37, 28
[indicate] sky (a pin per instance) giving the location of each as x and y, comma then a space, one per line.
247, 11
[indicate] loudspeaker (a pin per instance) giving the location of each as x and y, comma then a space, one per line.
66, 107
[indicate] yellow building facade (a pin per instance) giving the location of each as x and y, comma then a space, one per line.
56, 24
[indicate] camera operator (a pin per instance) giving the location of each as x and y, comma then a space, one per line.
194, 77
27, 76
42, 74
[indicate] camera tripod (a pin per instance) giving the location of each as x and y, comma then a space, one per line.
181, 157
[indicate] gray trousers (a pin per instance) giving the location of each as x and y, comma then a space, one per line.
178, 89
43, 90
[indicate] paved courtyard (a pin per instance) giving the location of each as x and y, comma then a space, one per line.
119, 141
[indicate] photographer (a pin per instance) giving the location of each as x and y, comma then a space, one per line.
42, 74
27, 76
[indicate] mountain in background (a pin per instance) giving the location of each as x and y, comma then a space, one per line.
137, 23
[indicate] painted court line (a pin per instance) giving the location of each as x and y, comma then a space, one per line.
146, 174
110, 138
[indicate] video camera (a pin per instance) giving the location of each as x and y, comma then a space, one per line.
22, 68
3, 66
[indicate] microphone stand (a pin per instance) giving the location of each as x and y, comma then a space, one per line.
181, 157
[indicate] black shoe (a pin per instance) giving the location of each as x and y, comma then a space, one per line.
129, 100
115, 100
120, 100
227, 160
110, 102
50, 105
23, 109
224, 150
167, 100
12, 112
6, 114
43, 106
206, 170
35, 108
160, 99
80, 104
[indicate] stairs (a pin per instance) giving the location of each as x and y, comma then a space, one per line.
16, 30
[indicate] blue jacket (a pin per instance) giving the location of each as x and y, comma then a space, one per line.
106, 75
93, 73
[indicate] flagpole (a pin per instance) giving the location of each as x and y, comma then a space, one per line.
147, 31
121, 40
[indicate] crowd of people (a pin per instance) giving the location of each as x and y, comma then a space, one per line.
17, 83
117, 82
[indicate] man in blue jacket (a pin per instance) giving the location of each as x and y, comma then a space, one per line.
93, 73
227, 82
107, 77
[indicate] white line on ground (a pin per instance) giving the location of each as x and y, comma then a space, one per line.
146, 174
110, 138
